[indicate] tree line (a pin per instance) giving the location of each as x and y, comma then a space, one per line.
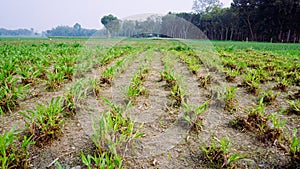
76, 30
17, 32
255, 20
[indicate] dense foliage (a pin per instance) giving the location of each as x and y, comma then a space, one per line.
256, 20
76, 30
259, 20
18, 32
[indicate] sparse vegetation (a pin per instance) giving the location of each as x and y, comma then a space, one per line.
219, 154
269, 97
295, 146
14, 151
57, 86
193, 116
46, 122
112, 134
294, 107
136, 88
230, 100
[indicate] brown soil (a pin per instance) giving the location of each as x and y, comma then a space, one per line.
168, 141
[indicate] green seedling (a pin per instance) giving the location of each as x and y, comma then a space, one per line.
294, 106
54, 80
113, 130
230, 99
269, 97
103, 160
12, 153
169, 78
10, 93
221, 156
295, 145
29, 75
94, 87
205, 81
77, 92
231, 75
114, 53
107, 75
283, 85
177, 94
277, 123
136, 88
193, 116
46, 122
191, 60
60, 166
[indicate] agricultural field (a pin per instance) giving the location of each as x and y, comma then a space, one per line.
148, 103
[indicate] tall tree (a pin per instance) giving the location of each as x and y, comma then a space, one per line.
204, 6
111, 23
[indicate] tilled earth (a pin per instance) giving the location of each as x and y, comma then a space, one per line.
168, 141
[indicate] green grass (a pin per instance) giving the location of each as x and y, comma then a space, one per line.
256, 45
220, 155
113, 131
29, 63
14, 151
46, 121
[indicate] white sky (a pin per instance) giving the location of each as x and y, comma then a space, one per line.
46, 14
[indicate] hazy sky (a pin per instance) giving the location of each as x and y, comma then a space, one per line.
46, 14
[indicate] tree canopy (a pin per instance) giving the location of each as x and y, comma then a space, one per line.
76, 30
257, 20
111, 23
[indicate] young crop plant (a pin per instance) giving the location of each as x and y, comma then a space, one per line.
262, 75
256, 122
68, 72
194, 68
269, 97
220, 154
107, 76
114, 53
230, 100
109, 73
10, 93
295, 146
177, 94
46, 121
54, 80
112, 133
136, 87
205, 81
102, 160
77, 92
251, 83
274, 132
283, 85
94, 87
294, 107
231, 75
14, 151
29, 75
169, 77
191, 60
193, 116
